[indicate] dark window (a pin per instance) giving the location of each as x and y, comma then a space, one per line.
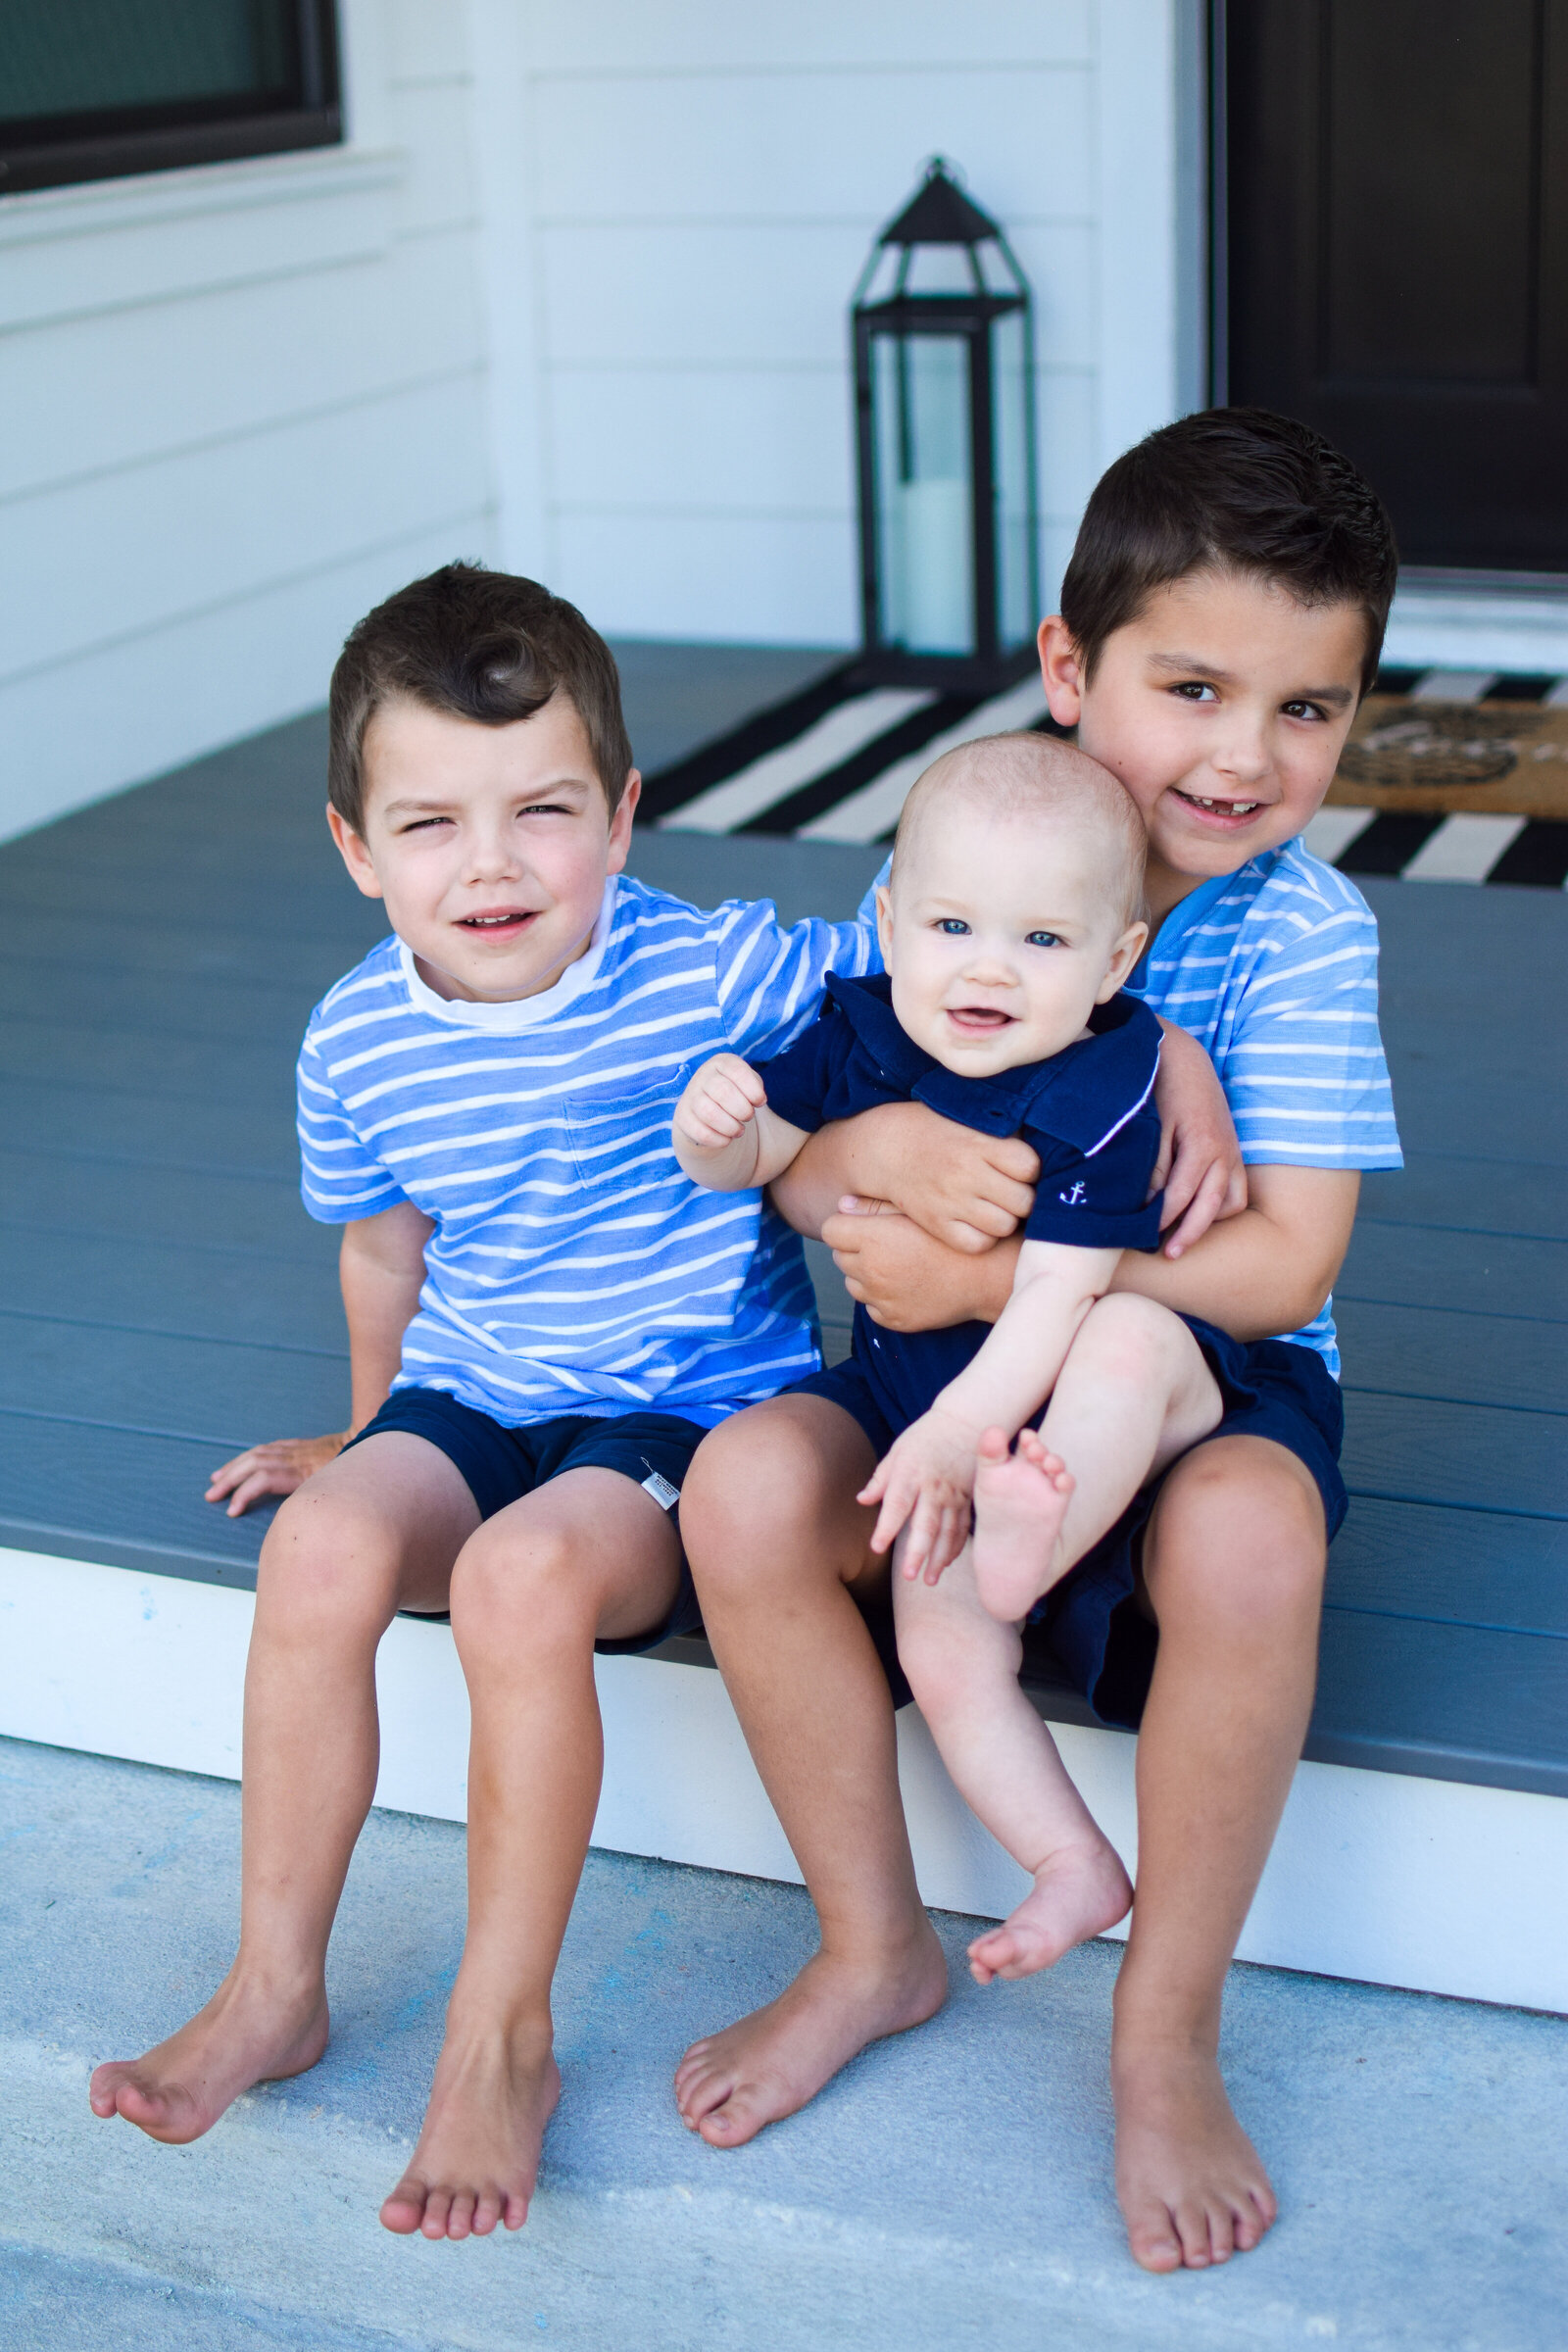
92, 89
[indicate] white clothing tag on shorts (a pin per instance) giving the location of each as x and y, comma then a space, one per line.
663, 1493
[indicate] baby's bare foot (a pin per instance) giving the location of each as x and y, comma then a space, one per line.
246, 2034
769, 2064
1019, 1502
478, 2156
1190, 2183
1077, 1893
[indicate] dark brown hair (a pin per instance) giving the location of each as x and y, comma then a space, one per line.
480, 645
1237, 490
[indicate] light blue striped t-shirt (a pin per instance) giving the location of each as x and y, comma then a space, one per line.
573, 1268
1274, 969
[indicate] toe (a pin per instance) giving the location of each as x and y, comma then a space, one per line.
731, 2123
1251, 2220
404, 2209
1151, 2236
703, 2094
460, 2214
103, 2088
515, 2211
487, 2211
1192, 2228
437, 2206
1221, 2231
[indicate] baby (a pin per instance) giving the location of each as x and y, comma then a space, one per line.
1009, 920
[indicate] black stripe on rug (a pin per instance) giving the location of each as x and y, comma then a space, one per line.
1522, 686
1388, 843
765, 731
1538, 857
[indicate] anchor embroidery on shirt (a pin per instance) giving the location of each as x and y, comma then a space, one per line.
1077, 1196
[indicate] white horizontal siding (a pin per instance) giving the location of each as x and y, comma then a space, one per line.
226, 362
700, 189
707, 36
164, 694
242, 402
812, 146
139, 545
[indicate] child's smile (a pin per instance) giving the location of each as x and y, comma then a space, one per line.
1001, 934
490, 844
1223, 709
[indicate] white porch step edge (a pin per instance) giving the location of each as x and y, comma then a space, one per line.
1434, 1885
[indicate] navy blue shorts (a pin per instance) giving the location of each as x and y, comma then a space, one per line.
501, 1465
1091, 1622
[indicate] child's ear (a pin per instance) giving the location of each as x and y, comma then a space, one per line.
354, 854
1123, 957
1061, 670
884, 920
620, 823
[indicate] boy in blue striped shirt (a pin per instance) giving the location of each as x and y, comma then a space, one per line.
545, 1318
1222, 616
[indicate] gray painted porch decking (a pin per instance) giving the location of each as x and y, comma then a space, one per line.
163, 1298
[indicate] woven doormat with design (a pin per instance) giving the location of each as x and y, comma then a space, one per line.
1505, 759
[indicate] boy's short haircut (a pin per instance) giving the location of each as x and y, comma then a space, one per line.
479, 645
1237, 490
1029, 776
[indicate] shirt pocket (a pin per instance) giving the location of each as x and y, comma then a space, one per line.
620, 1135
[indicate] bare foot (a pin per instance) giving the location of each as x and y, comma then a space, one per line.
771, 2063
246, 2034
1191, 2187
478, 2156
1019, 1502
1078, 1892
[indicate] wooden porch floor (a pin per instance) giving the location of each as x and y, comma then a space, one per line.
163, 1298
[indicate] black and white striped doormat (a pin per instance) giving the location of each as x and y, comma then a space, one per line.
834, 763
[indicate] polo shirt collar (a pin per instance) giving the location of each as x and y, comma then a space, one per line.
1081, 1096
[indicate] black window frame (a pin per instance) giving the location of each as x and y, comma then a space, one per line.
115, 143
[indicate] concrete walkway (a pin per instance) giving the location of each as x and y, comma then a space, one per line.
952, 2187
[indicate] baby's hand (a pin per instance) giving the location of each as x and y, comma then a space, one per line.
927, 1477
719, 1103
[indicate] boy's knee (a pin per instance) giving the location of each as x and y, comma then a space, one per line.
754, 1491
514, 1576
325, 1559
1239, 1532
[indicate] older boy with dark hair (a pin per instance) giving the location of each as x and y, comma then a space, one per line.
1220, 620
545, 1316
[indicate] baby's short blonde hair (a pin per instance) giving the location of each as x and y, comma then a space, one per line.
1014, 776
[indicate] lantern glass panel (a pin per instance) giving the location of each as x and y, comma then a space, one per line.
924, 493
1010, 376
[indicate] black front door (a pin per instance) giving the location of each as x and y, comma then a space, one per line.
1397, 255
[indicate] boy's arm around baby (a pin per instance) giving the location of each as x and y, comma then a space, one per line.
381, 1269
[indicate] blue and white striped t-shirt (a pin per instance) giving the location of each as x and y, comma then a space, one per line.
1274, 969
573, 1268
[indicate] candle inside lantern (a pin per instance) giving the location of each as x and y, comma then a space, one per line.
936, 567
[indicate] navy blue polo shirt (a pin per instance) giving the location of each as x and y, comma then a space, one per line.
1088, 1111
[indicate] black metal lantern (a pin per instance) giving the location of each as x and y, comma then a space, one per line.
944, 394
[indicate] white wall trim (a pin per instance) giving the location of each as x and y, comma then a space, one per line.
509, 276
1138, 274
1435, 1885
88, 208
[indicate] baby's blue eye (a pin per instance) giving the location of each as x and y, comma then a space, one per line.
952, 927
1043, 939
